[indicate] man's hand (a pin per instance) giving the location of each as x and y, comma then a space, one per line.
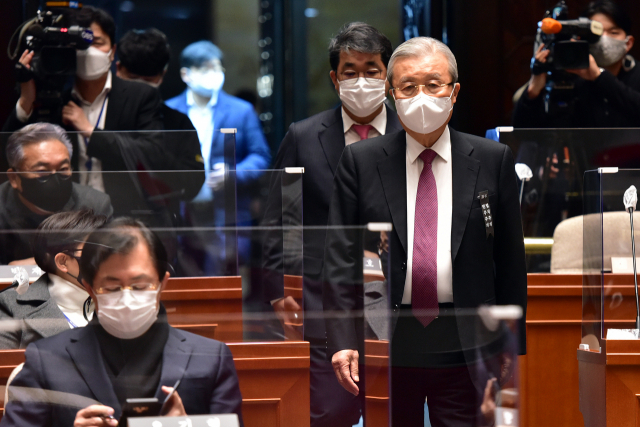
345, 365
27, 89
591, 73
175, 408
538, 81
95, 415
289, 313
74, 116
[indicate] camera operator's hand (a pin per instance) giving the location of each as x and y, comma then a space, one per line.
27, 89
538, 81
74, 116
591, 73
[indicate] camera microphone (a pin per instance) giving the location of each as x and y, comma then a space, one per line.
576, 27
630, 200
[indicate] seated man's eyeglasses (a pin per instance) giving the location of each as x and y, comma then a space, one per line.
110, 289
409, 90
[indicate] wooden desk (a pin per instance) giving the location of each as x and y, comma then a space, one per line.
274, 381
196, 301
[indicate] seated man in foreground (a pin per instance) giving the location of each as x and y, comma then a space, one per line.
83, 376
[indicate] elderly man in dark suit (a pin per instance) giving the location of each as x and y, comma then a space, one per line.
40, 184
449, 251
358, 55
83, 376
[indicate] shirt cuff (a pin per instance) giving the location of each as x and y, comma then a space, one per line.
273, 301
21, 114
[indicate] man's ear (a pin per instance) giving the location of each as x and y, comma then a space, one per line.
119, 69
113, 52
184, 75
14, 179
334, 79
630, 43
61, 262
456, 91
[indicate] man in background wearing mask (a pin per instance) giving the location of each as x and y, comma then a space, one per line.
40, 154
98, 104
607, 94
144, 57
211, 109
358, 55
448, 252
128, 350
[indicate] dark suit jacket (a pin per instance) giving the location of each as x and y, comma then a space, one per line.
29, 317
71, 362
370, 186
315, 144
16, 217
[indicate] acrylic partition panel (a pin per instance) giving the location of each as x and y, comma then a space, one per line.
608, 293
558, 159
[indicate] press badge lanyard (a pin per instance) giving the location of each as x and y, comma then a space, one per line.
88, 163
73, 325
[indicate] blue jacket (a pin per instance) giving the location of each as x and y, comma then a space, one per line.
252, 151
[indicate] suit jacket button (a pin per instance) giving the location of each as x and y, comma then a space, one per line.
404, 266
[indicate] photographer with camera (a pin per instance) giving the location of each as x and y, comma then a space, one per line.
99, 104
605, 93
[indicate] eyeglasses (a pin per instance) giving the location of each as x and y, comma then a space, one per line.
44, 176
371, 74
110, 289
410, 90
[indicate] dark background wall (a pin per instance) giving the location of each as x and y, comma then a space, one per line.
492, 41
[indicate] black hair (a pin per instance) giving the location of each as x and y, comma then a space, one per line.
198, 53
360, 37
89, 14
612, 10
144, 52
120, 236
62, 232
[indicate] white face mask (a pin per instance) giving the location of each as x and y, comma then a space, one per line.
92, 63
423, 113
362, 96
128, 314
608, 50
206, 83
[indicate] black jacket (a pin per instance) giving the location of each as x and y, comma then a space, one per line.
315, 144
370, 186
608, 101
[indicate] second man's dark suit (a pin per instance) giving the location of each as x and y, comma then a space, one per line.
315, 144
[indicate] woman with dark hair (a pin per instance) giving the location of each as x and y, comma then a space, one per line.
57, 301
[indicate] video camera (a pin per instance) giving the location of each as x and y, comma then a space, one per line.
568, 44
54, 40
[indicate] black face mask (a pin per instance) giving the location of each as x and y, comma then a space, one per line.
50, 192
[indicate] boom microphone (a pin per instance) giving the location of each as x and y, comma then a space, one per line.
630, 200
575, 27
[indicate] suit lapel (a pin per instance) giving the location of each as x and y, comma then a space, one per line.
332, 138
464, 171
393, 175
84, 350
220, 114
175, 359
116, 105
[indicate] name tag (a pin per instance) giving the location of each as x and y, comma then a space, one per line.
483, 196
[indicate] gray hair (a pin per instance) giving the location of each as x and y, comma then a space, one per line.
31, 134
423, 46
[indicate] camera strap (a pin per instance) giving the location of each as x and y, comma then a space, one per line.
89, 163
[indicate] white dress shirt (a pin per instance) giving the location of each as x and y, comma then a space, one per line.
379, 124
96, 113
202, 119
441, 167
70, 300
